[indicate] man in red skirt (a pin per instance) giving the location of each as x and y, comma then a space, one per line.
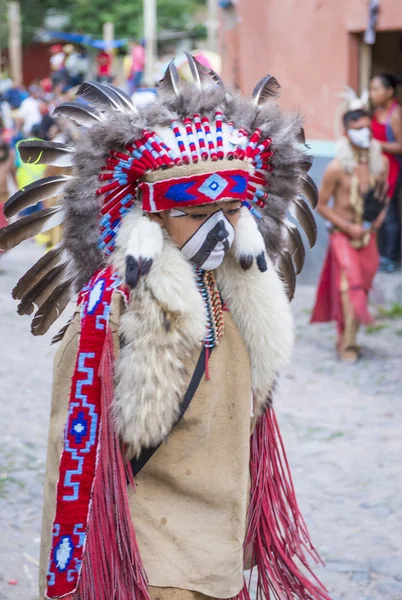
356, 180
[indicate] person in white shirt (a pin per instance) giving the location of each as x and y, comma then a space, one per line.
30, 110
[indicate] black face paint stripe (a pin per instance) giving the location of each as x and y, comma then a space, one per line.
219, 233
202, 224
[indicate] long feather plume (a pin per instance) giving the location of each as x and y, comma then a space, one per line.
80, 113
300, 210
36, 272
52, 308
46, 153
35, 192
29, 226
202, 75
171, 80
125, 100
266, 89
42, 290
309, 189
100, 95
287, 273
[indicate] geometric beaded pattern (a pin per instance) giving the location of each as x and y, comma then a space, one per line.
78, 461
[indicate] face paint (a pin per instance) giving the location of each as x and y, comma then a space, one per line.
208, 245
360, 137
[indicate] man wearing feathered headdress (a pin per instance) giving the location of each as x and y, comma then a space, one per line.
356, 179
176, 237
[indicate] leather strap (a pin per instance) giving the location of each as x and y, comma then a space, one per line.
139, 463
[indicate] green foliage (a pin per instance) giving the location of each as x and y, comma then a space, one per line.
33, 13
375, 328
88, 16
395, 312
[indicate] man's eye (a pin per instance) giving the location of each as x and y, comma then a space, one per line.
232, 211
198, 216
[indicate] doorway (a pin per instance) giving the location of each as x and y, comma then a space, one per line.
385, 56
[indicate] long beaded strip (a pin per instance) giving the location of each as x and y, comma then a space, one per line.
213, 307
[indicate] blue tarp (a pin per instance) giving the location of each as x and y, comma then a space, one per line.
84, 40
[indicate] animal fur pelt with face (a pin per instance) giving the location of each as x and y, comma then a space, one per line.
92, 213
166, 315
82, 203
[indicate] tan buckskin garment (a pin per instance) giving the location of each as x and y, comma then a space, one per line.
190, 506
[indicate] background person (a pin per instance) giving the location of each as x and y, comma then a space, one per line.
387, 129
357, 181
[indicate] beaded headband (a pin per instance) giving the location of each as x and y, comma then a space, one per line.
235, 167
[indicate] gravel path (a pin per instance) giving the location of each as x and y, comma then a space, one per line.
340, 424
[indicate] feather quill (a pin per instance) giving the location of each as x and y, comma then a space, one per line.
46, 153
266, 89
35, 192
301, 137
295, 235
36, 272
80, 113
295, 253
287, 273
60, 335
202, 75
306, 163
309, 189
29, 226
125, 100
300, 210
192, 63
100, 95
294, 244
171, 80
42, 290
52, 308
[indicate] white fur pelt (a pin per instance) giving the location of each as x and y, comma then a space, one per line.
347, 158
260, 308
164, 323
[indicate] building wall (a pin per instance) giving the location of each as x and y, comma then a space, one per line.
311, 46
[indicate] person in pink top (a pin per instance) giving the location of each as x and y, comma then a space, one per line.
137, 66
387, 129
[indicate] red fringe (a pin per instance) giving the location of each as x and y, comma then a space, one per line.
277, 536
112, 567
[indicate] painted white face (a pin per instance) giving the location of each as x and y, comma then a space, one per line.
360, 137
208, 246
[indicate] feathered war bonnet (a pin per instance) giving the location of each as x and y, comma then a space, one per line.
197, 143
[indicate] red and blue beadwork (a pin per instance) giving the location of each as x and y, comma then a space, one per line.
80, 451
194, 190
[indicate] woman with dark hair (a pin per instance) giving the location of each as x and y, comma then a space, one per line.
387, 129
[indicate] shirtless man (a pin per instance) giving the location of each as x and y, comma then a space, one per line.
357, 181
